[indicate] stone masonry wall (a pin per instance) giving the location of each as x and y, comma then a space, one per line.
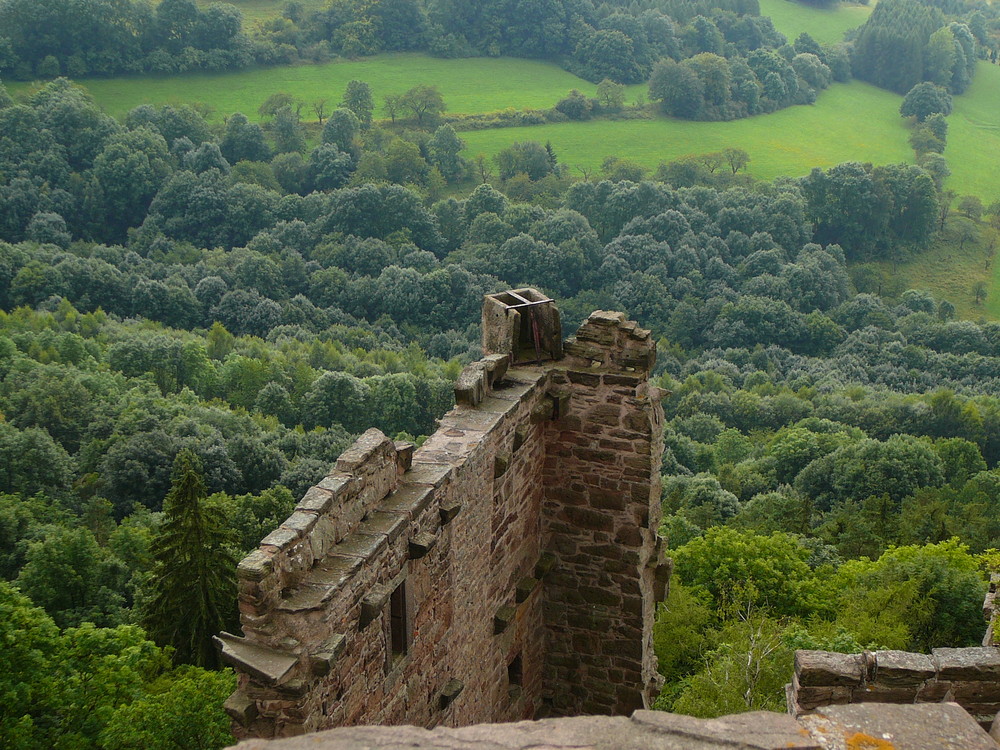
504, 570
601, 511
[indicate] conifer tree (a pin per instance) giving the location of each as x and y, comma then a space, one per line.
193, 585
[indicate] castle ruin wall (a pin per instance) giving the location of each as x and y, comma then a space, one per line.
506, 569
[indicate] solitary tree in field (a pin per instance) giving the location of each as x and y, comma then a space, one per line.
358, 99
276, 101
193, 584
319, 108
424, 102
979, 289
393, 105
971, 206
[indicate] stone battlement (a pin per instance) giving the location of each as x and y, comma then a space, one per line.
506, 569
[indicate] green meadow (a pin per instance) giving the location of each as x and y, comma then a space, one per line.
950, 269
973, 150
849, 122
480, 84
826, 26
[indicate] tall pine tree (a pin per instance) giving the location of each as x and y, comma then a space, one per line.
193, 584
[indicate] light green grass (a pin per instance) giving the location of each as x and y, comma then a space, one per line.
973, 150
479, 84
849, 122
950, 271
826, 26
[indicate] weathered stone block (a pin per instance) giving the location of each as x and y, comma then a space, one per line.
919, 727
316, 500
256, 566
372, 604
545, 564
451, 690
933, 691
470, 388
500, 465
823, 668
322, 660
503, 618
812, 697
404, 455
968, 664
392, 525
521, 433
240, 708
449, 512
421, 544
901, 668
369, 452
282, 538
584, 378
524, 589
267, 665
301, 522
877, 693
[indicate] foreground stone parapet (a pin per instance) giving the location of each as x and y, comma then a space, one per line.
506, 569
942, 726
864, 727
968, 676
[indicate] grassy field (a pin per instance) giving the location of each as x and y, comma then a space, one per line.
826, 26
852, 121
480, 84
973, 150
950, 271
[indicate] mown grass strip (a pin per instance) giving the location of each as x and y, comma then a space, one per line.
849, 122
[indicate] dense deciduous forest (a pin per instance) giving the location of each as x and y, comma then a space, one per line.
196, 319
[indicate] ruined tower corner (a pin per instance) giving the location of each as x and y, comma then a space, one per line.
507, 569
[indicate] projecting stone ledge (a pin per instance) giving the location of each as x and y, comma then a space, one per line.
938, 726
267, 665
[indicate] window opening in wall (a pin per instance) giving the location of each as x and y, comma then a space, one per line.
514, 676
397, 621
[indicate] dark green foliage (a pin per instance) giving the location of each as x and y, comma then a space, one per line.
528, 157
358, 99
867, 211
905, 42
243, 140
105, 37
258, 315
925, 99
575, 106
72, 578
193, 583
100, 687
734, 567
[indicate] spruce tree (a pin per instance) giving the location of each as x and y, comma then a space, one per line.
193, 584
